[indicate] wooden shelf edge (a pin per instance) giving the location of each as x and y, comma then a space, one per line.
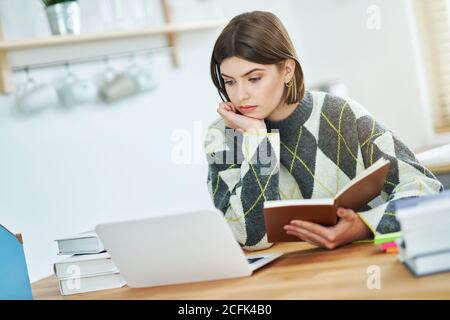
13, 45
443, 129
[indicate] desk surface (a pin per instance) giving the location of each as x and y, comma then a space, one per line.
440, 169
304, 272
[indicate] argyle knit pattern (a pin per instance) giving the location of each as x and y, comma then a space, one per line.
313, 153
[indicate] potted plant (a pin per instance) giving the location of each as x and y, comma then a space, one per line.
63, 16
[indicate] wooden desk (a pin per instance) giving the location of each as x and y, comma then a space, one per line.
440, 169
304, 272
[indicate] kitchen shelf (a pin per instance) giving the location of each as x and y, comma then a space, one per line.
14, 45
168, 29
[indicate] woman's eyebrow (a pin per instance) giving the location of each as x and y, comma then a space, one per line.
245, 74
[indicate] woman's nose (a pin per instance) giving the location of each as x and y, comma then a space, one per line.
242, 94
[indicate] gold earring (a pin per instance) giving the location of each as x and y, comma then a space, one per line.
290, 83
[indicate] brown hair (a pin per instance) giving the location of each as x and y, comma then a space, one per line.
259, 37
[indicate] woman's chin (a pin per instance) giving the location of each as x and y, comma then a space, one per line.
255, 116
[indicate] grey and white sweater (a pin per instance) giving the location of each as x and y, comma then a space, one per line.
313, 153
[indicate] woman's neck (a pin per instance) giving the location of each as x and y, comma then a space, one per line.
282, 112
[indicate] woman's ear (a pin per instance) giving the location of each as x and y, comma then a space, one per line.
289, 69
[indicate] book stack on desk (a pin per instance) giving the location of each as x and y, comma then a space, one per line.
88, 267
425, 224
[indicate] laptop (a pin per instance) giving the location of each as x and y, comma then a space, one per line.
177, 248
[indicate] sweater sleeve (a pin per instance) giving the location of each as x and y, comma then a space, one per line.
243, 172
406, 177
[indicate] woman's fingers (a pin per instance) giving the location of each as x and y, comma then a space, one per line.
307, 235
310, 236
237, 121
221, 107
224, 110
315, 228
295, 234
227, 115
228, 106
347, 214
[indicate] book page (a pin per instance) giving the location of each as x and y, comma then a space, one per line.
297, 202
374, 167
82, 235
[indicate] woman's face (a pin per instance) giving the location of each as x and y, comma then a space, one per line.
254, 89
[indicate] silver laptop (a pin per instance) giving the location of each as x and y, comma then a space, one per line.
177, 248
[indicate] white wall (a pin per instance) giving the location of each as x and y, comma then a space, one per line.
379, 66
62, 172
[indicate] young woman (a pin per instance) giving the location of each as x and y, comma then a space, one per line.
276, 140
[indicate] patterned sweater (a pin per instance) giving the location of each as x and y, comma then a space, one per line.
313, 153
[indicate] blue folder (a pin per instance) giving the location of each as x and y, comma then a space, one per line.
14, 280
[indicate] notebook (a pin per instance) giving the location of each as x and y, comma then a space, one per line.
14, 279
357, 193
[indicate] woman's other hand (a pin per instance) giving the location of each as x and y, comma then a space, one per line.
349, 228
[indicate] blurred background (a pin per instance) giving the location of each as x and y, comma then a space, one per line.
115, 148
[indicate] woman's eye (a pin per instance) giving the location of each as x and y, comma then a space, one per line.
231, 82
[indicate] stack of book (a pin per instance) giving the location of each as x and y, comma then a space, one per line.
88, 267
425, 225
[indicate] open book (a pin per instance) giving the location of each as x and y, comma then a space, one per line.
357, 193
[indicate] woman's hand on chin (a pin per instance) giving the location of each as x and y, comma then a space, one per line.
238, 121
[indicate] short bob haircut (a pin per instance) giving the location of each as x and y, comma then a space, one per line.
259, 37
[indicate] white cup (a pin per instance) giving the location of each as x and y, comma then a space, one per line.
75, 91
146, 82
143, 78
33, 98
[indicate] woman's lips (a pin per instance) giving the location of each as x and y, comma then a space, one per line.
246, 109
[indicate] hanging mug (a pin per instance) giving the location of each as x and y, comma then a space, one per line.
75, 91
32, 98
